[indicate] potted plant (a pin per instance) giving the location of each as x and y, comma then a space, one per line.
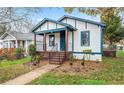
19, 53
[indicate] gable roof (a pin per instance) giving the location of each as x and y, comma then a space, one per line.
54, 21
81, 19
20, 35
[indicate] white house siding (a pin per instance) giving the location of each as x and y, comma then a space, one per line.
95, 38
49, 26
70, 21
69, 41
8, 37
93, 57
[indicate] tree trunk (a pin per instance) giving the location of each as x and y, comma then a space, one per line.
110, 44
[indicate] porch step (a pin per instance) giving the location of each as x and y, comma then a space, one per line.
57, 63
57, 58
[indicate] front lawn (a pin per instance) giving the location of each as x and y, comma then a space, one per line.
64, 79
112, 72
120, 53
12, 69
6, 63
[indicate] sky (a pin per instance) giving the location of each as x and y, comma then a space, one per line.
56, 13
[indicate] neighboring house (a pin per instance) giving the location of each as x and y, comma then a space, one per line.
1, 44
15, 39
71, 34
120, 47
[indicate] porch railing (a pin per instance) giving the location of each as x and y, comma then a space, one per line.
55, 47
41, 47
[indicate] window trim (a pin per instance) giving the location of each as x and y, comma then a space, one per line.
49, 40
88, 38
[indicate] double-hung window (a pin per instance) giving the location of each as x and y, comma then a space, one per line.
51, 40
85, 38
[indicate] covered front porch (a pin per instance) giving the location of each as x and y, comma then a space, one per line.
58, 40
13, 44
55, 40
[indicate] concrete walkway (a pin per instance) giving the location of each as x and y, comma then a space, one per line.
28, 77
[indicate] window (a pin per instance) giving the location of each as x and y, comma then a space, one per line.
85, 38
51, 40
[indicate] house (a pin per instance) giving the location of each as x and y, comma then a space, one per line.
70, 34
15, 39
0, 44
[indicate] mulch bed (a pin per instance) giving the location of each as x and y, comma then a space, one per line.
31, 64
89, 67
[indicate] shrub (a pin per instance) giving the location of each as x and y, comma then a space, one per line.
18, 51
83, 60
87, 53
113, 47
32, 49
37, 58
71, 58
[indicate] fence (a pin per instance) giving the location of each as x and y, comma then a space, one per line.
8, 51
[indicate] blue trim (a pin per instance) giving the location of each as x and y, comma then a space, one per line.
88, 53
51, 31
57, 22
81, 38
80, 19
62, 41
101, 41
72, 40
88, 37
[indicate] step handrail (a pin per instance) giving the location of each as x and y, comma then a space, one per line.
55, 47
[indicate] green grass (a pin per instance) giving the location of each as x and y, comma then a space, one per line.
120, 53
6, 63
112, 72
64, 79
12, 69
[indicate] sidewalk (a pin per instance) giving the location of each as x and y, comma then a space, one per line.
28, 77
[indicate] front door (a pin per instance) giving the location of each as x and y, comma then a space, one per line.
62, 41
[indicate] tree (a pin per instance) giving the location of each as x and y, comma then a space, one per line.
104, 12
114, 31
17, 19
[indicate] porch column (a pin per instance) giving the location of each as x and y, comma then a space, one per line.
34, 39
26, 46
66, 40
8, 44
72, 41
16, 42
44, 41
